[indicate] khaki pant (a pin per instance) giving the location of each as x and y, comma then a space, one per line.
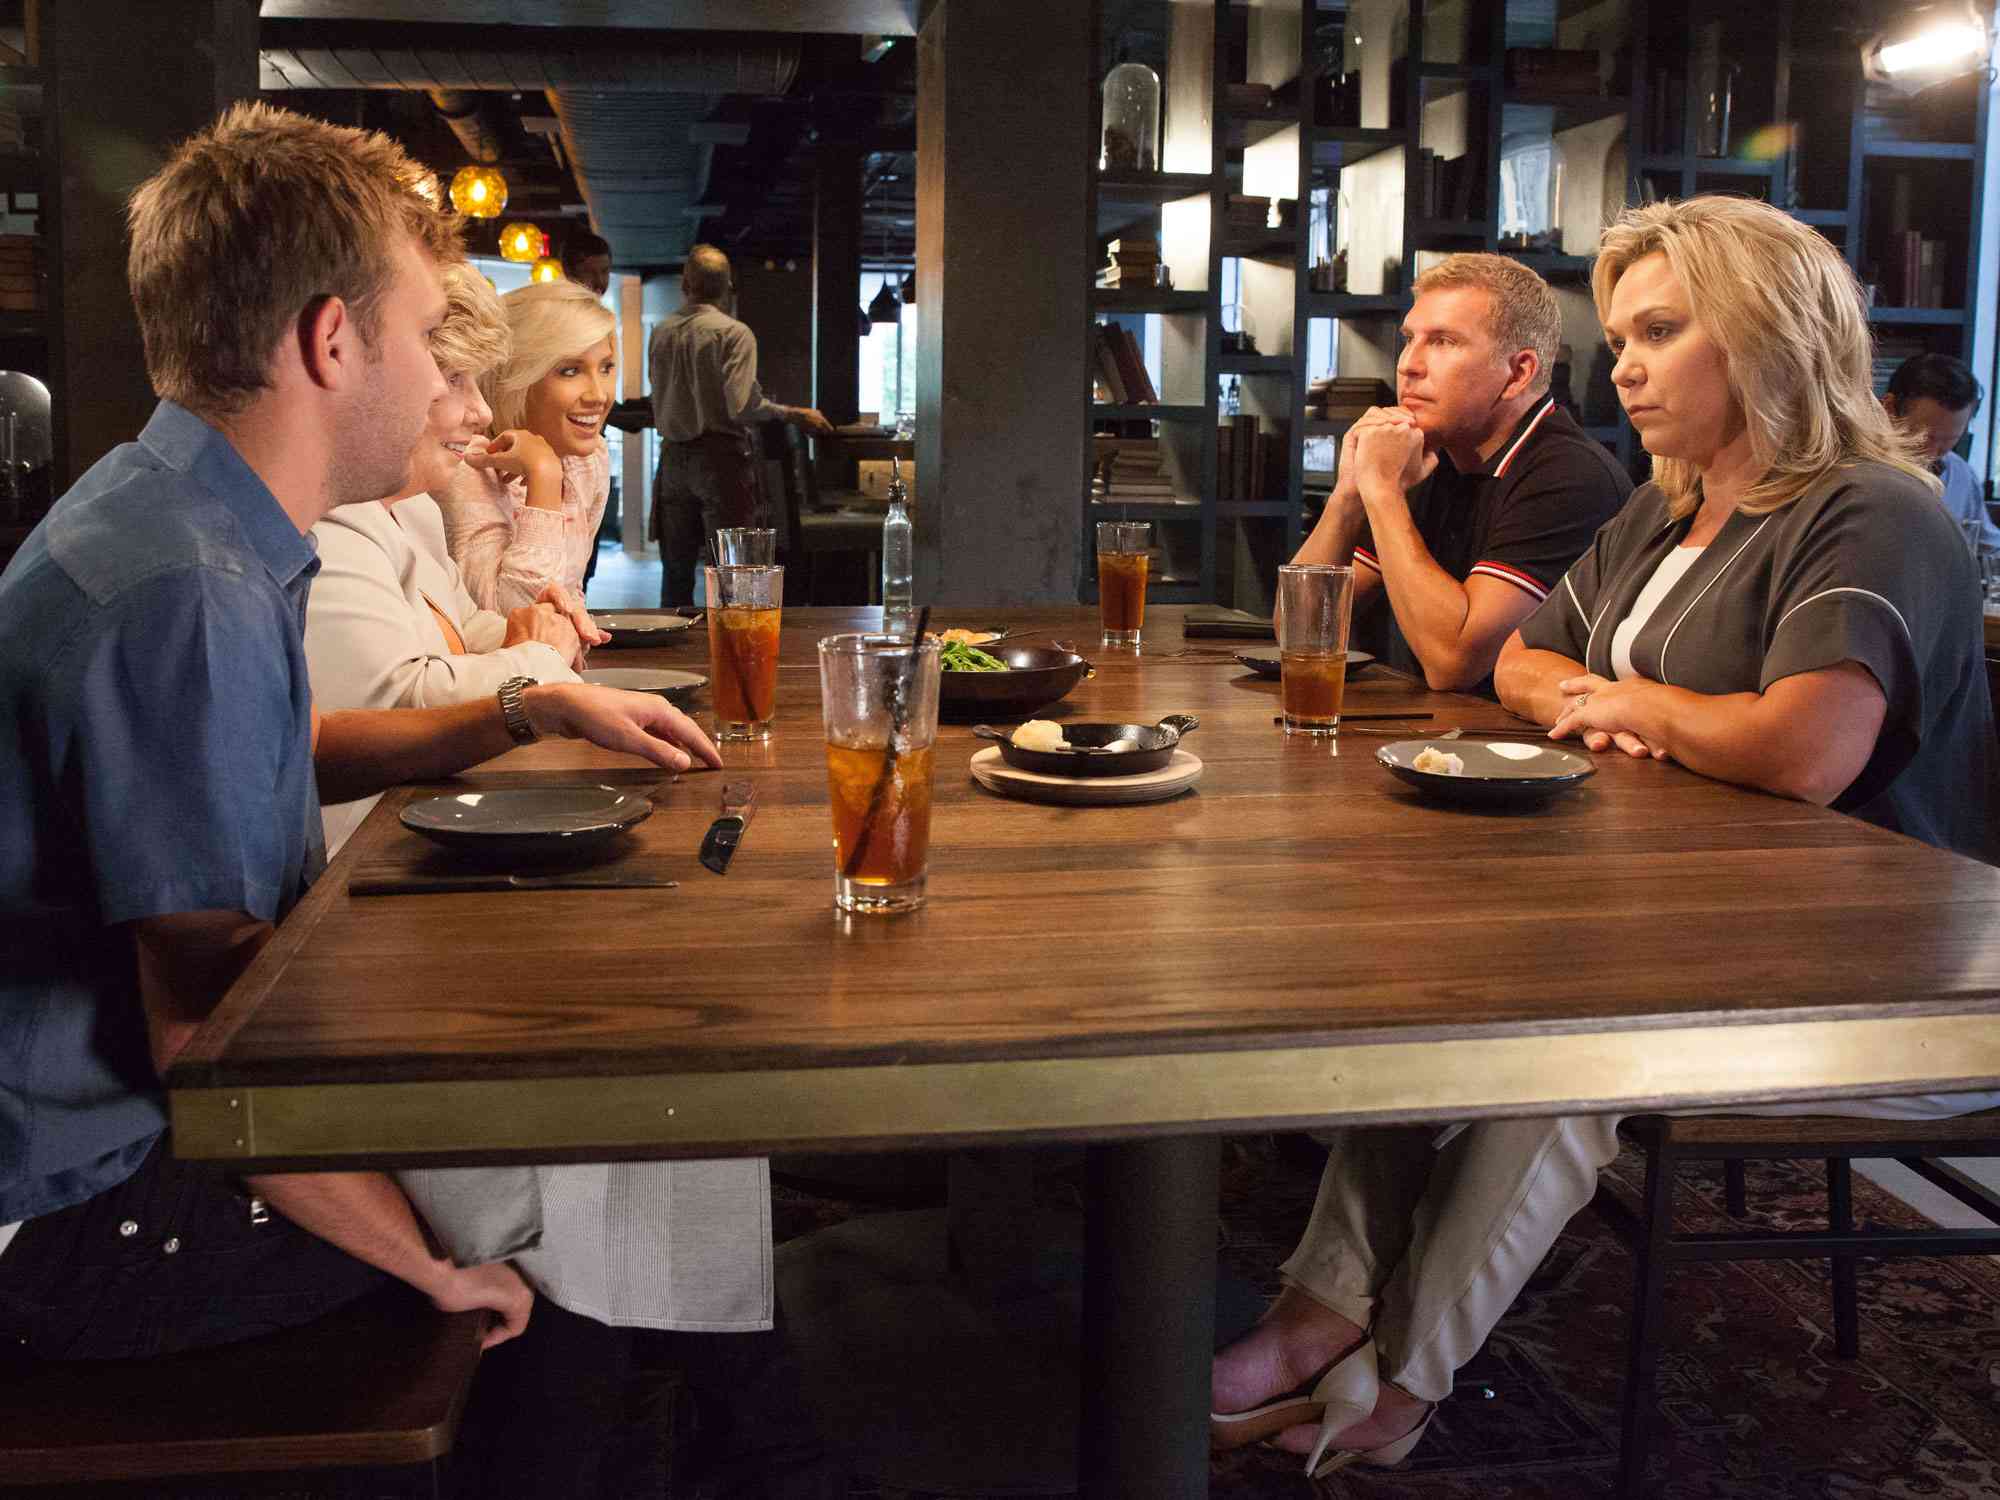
1429, 1245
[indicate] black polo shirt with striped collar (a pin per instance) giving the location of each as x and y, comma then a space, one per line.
1523, 517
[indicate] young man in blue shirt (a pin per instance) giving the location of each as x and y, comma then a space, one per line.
164, 762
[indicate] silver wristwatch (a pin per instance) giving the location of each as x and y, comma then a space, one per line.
515, 712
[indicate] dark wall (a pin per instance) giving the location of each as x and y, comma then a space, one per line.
777, 304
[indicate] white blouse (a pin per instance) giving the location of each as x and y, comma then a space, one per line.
1673, 567
372, 634
508, 550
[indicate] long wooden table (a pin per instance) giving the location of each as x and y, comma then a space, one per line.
1301, 940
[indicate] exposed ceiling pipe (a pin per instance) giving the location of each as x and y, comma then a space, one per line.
308, 55
466, 114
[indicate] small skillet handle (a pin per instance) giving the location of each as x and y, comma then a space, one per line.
1180, 724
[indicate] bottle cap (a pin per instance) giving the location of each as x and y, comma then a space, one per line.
898, 492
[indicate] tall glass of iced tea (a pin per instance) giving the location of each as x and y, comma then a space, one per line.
879, 696
744, 604
1121, 579
1314, 602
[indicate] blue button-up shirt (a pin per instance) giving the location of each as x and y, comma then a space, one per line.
155, 747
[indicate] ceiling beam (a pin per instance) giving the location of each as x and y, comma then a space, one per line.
850, 17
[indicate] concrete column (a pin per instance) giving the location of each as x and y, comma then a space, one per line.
124, 81
836, 342
1003, 156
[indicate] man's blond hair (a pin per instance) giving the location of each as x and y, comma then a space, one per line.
251, 224
1524, 311
1789, 317
474, 337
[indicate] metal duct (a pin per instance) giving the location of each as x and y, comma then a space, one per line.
306, 55
637, 168
625, 102
467, 116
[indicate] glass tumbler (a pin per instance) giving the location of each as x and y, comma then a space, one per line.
1314, 605
1121, 579
744, 605
879, 698
746, 546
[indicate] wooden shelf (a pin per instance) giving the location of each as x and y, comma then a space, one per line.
1709, 166
1355, 305
1271, 244
1571, 110
1450, 229
1151, 187
1148, 510
1110, 300
1941, 317
1255, 364
1106, 411
1254, 509
1247, 130
1344, 145
1920, 150
1823, 218
1551, 263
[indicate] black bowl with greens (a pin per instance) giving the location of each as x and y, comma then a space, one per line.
1025, 680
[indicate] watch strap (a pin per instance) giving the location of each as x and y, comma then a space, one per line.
515, 712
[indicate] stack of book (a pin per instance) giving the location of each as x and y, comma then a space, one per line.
1553, 70
20, 281
1132, 471
1247, 211
1134, 263
1121, 368
1917, 272
1445, 187
1250, 458
1336, 399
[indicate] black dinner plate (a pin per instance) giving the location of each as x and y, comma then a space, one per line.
517, 823
635, 627
678, 688
1498, 773
1265, 663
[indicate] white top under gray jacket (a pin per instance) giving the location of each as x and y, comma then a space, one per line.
676, 1245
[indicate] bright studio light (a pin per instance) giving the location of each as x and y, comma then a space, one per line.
1933, 44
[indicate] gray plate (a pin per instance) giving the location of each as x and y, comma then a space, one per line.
1493, 776
524, 822
1265, 663
641, 627
678, 688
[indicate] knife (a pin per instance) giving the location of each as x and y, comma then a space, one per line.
391, 885
724, 833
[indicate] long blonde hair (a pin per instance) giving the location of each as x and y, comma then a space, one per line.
551, 321
1790, 320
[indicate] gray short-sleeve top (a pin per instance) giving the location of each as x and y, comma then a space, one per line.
1864, 567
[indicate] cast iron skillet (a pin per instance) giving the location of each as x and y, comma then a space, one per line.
1037, 677
1088, 757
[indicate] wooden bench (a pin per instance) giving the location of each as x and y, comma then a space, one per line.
378, 1385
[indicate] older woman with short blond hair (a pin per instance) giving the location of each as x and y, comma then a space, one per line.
523, 512
1785, 606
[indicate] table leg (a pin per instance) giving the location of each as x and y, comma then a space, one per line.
1148, 1319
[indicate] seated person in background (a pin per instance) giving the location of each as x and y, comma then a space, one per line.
522, 512
389, 623
1785, 607
1934, 398
1465, 502
586, 259
165, 763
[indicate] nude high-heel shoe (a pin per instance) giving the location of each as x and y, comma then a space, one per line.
1388, 1456
1342, 1394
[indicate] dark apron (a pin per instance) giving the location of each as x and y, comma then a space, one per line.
735, 471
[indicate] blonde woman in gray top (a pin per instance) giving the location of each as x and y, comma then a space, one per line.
1786, 606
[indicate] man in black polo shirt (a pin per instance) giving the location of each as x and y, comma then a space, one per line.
1467, 501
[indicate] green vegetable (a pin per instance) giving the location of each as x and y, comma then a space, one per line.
960, 656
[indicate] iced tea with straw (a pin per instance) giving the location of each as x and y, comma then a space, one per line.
879, 697
745, 605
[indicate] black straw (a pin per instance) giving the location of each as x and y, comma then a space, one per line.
899, 724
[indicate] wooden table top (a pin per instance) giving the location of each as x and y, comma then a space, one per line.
1303, 938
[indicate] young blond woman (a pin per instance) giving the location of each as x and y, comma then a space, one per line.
523, 512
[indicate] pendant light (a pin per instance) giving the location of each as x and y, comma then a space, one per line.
522, 242
548, 268
479, 192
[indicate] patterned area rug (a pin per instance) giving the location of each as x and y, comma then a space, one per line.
1752, 1404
